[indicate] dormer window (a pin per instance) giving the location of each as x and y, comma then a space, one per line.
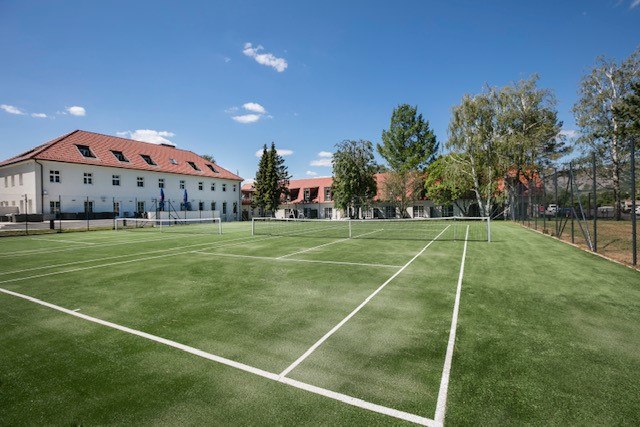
120, 156
148, 159
194, 166
85, 151
214, 170
173, 161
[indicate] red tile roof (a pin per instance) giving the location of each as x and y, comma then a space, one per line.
301, 184
64, 149
249, 187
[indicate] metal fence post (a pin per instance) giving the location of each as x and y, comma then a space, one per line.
634, 235
86, 212
555, 189
60, 213
573, 240
595, 203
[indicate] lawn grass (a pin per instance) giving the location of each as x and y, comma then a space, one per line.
547, 334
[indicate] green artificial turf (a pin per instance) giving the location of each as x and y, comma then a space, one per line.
547, 334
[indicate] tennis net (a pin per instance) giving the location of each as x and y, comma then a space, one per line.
171, 225
450, 228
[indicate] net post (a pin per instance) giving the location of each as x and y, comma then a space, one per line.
455, 229
219, 225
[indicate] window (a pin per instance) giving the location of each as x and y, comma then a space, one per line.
140, 181
85, 151
115, 180
214, 170
327, 194
224, 187
234, 188
390, 211
120, 156
182, 184
235, 207
328, 213
173, 161
148, 159
116, 208
140, 207
194, 166
88, 207
200, 187
213, 186
201, 206
307, 194
213, 206
418, 212
54, 176
88, 178
224, 208
160, 182
13, 180
20, 181
54, 207
6, 181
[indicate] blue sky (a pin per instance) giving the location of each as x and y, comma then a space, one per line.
315, 73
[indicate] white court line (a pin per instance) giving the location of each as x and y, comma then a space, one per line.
357, 309
63, 241
353, 401
361, 264
72, 270
325, 244
441, 405
157, 238
97, 245
2, 273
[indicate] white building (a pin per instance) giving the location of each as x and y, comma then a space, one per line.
84, 173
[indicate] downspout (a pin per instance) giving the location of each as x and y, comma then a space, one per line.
41, 185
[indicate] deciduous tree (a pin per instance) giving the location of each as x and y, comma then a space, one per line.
354, 168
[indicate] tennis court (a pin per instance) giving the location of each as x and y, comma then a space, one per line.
292, 323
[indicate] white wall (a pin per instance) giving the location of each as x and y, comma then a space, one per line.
19, 180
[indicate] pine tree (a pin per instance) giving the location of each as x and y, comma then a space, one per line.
259, 195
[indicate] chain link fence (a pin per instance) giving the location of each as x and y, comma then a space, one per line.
578, 202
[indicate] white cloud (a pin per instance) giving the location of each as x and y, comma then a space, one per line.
148, 135
39, 115
231, 110
76, 111
569, 133
325, 163
323, 160
247, 118
634, 4
227, 59
282, 151
311, 173
268, 59
11, 109
254, 107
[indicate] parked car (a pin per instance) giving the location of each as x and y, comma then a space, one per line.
551, 210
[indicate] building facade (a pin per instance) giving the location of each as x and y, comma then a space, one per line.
89, 173
313, 198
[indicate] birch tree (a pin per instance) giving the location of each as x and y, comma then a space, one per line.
475, 134
608, 83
